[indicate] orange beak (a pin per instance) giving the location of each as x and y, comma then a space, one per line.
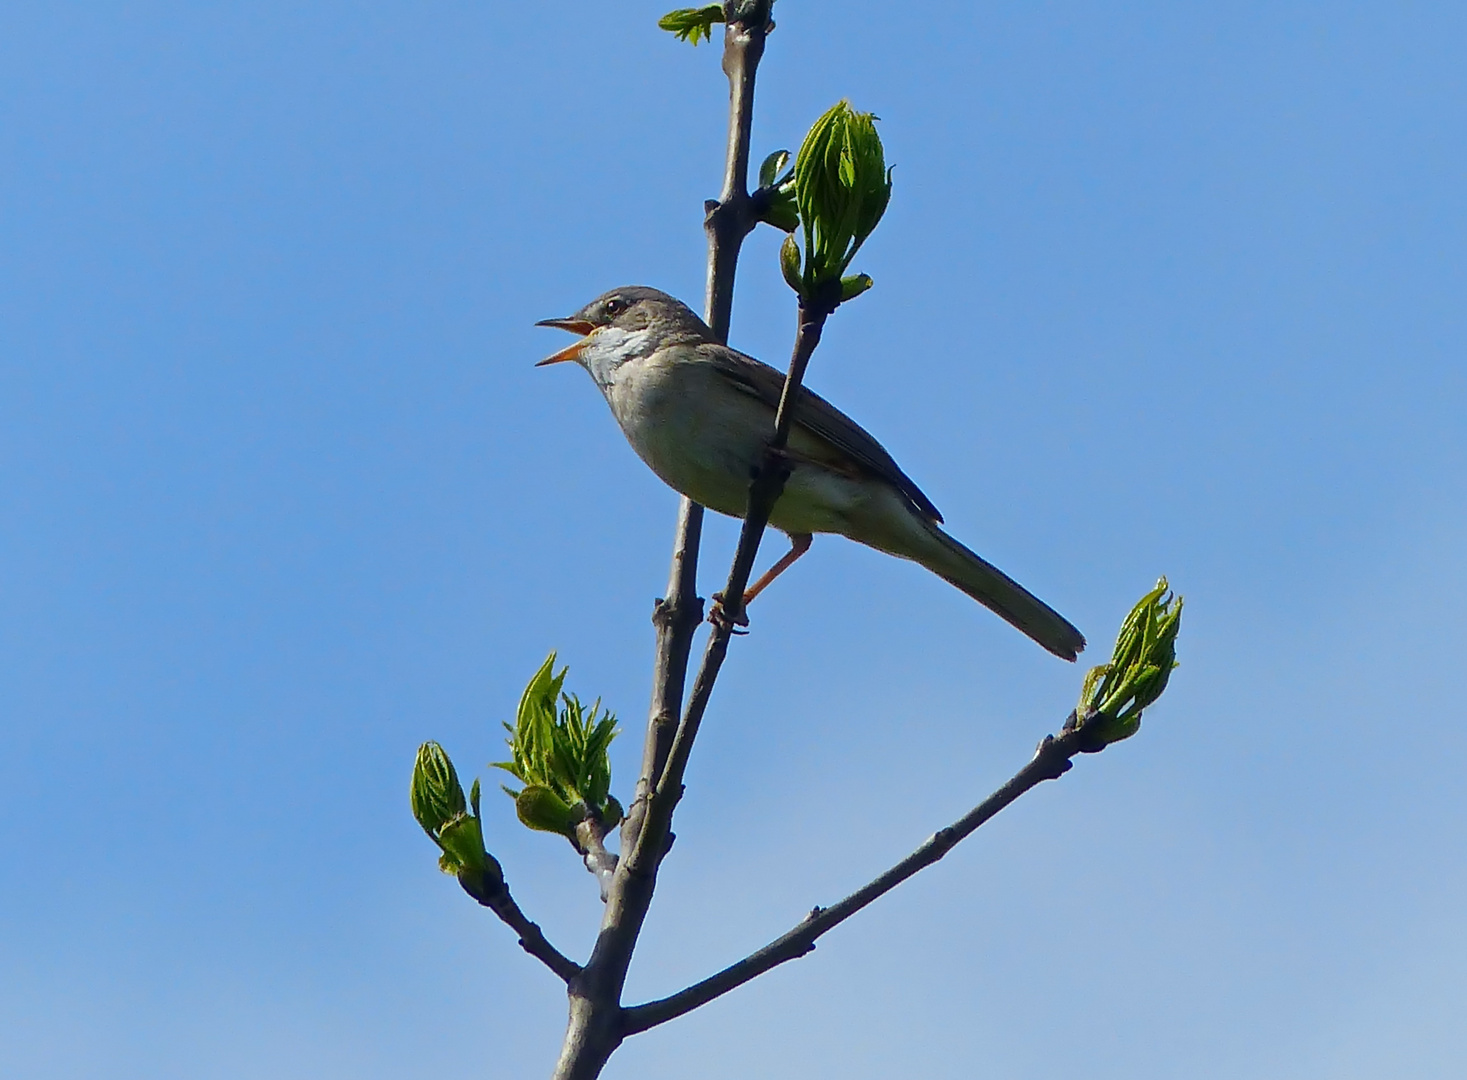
570, 352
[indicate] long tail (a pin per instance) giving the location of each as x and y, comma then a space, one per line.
1000, 593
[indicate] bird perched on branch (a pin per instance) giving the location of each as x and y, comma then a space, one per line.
701, 414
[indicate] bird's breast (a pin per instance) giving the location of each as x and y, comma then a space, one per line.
695, 430
704, 436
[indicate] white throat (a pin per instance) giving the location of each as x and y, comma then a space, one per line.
609, 347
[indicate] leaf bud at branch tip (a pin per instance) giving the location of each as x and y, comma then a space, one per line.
842, 187
558, 750
1113, 695
437, 795
440, 808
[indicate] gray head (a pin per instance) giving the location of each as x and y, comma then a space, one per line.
626, 323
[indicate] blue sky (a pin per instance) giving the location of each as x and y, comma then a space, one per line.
1163, 288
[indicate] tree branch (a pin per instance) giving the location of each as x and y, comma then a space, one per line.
595, 1027
493, 894
727, 221
1050, 761
676, 618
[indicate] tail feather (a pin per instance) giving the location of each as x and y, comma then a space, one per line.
1001, 594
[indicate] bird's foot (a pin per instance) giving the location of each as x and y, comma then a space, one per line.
721, 618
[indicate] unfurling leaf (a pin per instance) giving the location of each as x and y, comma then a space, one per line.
439, 806
1140, 666
690, 24
842, 187
558, 750
775, 200
437, 796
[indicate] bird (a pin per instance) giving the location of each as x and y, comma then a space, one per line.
701, 415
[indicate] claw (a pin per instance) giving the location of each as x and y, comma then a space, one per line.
720, 618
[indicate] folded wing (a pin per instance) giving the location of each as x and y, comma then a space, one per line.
821, 419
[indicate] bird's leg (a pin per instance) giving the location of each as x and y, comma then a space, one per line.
799, 544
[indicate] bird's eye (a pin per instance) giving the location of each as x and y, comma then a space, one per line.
615, 306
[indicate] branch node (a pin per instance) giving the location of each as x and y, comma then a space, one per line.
1052, 757
668, 613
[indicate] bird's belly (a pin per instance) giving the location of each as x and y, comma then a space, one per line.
816, 500
705, 439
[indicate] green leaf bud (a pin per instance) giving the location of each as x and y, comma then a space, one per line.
853, 286
439, 806
771, 168
1140, 666
842, 187
437, 796
789, 264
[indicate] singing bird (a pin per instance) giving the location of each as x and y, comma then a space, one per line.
700, 414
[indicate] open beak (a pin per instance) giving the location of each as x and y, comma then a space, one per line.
570, 352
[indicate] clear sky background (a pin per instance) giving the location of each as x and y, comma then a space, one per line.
1164, 288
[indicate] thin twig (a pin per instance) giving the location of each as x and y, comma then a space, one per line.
768, 485
494, 894
1050, 761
